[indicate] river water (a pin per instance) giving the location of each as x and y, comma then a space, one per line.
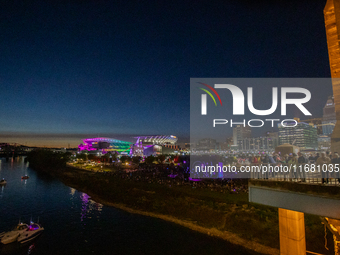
75, 224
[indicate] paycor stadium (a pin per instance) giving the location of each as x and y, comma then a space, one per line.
144, 145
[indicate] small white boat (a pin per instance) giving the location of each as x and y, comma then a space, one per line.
3, 182
12, 236
33, 231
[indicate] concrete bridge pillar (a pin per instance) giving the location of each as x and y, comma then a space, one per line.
334, 226
292, 232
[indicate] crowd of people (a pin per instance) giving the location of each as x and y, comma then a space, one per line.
316, 159
175, 175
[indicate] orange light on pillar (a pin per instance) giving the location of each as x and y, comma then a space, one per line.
292, 232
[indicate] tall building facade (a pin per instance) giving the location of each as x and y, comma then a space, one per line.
240, 133
315, 121
332, 25
324, 143
258, 144
303, 135
272, 134
329, 117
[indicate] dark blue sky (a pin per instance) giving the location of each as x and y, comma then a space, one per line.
71, 69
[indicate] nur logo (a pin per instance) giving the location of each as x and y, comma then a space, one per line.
204, 98
238, 99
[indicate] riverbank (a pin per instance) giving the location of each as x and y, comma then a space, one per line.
225, 235
227, 216
202, 211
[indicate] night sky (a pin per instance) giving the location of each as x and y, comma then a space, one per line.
74, 69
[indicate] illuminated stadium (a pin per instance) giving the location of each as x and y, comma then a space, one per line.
154, 145
105, 145
157, 139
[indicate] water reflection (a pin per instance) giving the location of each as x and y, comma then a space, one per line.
88, 205
2, 190
72, 191
30, 249
84, 198
100, 230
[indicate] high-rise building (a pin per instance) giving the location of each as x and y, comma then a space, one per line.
258, 144
315, 121
324, 143
329, 117
303, 135
240, 133
272, 134
332, 24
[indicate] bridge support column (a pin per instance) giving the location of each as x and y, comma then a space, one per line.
336, 245
292, 232
334, 226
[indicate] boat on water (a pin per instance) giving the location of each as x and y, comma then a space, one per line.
25, 177
3, 182
33, 231
23, 233
12, 236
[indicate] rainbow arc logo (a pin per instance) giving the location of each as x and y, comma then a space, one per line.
204, 97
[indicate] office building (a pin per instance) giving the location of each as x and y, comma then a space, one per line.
329, 117
240, 133
303, 135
